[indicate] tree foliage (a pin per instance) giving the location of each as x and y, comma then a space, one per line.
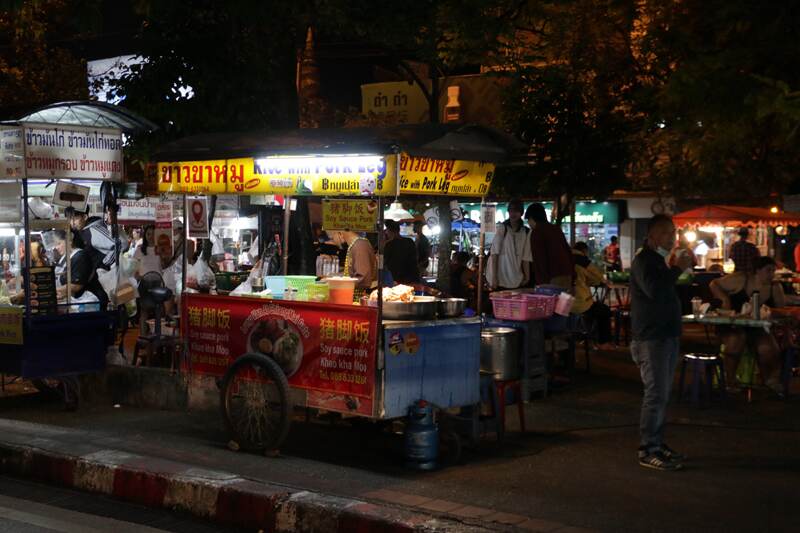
720, 97
38, 62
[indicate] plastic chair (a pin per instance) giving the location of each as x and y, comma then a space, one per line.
497, 391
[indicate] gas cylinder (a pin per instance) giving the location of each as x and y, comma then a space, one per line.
421, 437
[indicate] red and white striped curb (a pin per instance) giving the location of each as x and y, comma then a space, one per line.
214, 495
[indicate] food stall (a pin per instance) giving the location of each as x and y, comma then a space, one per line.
373, 360
45, 338
712, 229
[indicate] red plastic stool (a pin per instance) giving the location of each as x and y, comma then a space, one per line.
499, 404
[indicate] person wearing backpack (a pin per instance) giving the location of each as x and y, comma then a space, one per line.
510, 259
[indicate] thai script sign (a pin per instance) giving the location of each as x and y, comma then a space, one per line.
11, 153
72, 152
446, 177
293, 176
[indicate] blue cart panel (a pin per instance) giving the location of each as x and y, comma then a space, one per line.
438, 361
59, 345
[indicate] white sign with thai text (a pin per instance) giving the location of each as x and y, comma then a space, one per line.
72, 152
131, 211
11, 153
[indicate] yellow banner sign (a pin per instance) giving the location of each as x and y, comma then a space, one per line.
354, 215
296, 176
424, 175
10, 325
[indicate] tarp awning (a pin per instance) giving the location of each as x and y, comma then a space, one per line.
92, 114
734, 215
438, 141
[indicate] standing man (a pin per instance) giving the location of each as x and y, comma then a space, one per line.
611, 255
360, 261
656, 325
552, 256
510, 259
400, 255
423, 248
743, 252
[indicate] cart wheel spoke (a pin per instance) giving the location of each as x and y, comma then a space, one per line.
255, 402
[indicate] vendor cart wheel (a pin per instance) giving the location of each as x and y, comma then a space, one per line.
255, 403
48, 387
64, 388
449, 447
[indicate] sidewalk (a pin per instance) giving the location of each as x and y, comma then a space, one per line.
575, 469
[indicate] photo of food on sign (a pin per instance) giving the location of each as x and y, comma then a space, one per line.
278, 339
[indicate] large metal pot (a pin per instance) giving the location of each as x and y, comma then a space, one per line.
452, 307
422, 308
500, 352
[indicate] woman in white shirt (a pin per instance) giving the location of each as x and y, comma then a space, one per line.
149, 260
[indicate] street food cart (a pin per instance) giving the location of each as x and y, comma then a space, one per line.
45, 339
274, 354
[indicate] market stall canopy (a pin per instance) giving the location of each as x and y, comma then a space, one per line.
92, 114
734, 215
420, 159
437, 141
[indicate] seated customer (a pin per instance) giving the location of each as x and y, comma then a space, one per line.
587, 275
734, 291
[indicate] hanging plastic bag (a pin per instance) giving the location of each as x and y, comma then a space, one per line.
202, 273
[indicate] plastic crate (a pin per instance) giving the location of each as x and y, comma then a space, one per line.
524, 306
276, 285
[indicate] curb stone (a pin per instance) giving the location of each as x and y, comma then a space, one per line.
214, 495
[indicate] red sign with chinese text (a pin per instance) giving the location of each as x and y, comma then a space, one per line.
326, 349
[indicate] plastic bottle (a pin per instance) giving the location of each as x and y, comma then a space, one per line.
755, 304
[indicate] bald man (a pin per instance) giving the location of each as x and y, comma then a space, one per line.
656, 325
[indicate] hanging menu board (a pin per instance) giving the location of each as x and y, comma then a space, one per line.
43, 291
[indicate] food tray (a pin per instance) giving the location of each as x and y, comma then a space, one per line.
524, 306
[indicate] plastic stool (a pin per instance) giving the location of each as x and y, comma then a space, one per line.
499, 403
704, 367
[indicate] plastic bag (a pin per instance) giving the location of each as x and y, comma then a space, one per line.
201, 272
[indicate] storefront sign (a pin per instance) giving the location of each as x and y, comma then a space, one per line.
136, 211
12, 163
10, 325
396, 102
198, 218
163, 229
326, 350
72, 152
424, 175
354, 215
289, 176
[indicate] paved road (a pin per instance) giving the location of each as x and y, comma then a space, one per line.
577, 466
27, 507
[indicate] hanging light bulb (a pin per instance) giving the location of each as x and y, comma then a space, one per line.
397, 212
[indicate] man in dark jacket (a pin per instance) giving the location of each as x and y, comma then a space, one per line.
400, 255
656, 325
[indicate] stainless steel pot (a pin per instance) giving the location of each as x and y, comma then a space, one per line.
451, 307
500, 352
422, 308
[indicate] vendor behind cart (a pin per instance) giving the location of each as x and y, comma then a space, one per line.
83, 274
360, 261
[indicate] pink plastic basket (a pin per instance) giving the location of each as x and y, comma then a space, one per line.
524, 306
